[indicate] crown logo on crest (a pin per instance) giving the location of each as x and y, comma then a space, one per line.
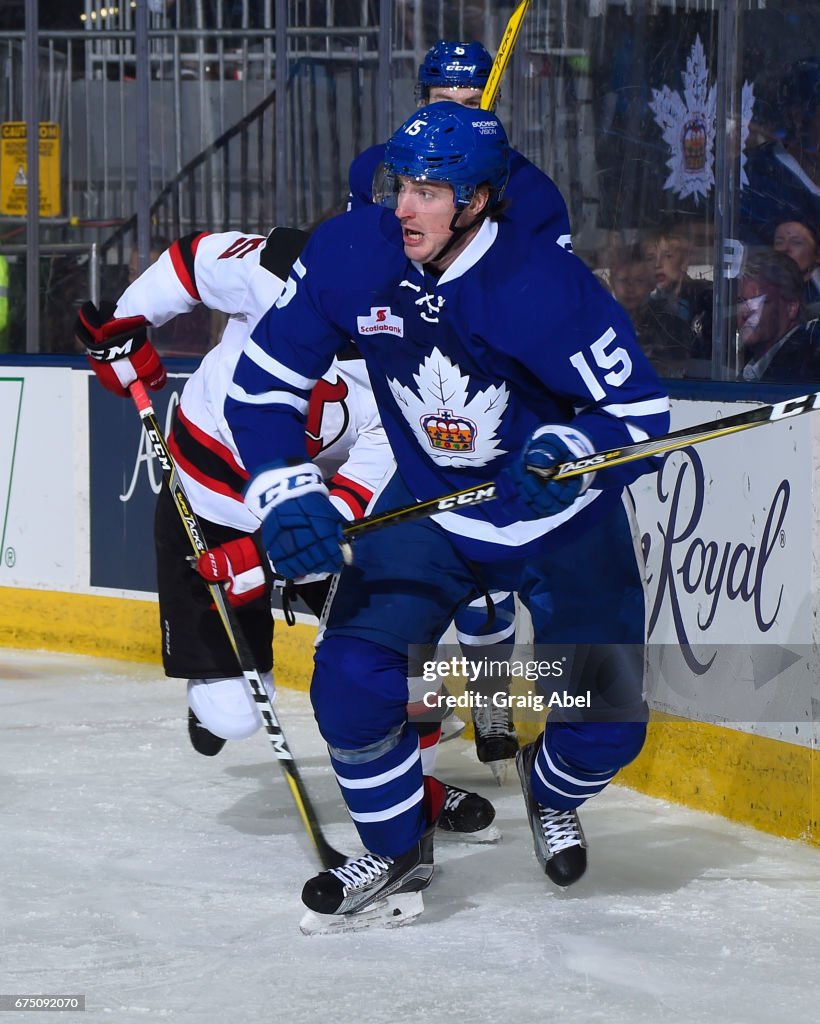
450, 433
694, 138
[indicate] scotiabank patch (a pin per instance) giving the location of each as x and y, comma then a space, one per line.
380, 321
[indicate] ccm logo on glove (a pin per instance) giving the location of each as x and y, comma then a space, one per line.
118, 350
301, 528
291, 487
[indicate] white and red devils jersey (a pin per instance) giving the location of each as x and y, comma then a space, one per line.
243, 275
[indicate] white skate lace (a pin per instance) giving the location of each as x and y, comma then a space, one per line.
453, 797
492, 721
361, 871
561, 829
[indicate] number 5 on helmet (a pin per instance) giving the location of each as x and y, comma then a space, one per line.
118, 350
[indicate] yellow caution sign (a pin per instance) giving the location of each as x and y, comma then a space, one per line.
14, 169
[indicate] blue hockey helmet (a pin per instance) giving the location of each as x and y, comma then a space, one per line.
453, 65
449, 143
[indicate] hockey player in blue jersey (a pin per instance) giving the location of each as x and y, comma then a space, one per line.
458, 71
241, 275
492, 353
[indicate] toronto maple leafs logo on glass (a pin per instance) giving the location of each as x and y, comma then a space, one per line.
688, 125
453, 428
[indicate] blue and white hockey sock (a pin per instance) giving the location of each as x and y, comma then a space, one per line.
384, 794
578, 760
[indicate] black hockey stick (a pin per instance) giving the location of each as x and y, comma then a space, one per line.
328, 857
684, 438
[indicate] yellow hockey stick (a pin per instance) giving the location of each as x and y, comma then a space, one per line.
502, 58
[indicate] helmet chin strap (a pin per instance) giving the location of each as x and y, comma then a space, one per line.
457, 233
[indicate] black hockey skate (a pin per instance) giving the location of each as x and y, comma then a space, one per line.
467, 818
560, 845
369, 890
496, 741
202, 739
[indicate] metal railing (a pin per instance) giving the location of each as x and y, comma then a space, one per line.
215, 150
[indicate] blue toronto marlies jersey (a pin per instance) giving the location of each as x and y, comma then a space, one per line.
533, 198
515, 334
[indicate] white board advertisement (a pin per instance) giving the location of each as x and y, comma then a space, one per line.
727, 531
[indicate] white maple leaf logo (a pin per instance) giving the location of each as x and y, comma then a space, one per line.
688, 126
452, 428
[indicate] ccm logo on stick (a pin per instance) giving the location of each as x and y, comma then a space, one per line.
159, 450
467, 499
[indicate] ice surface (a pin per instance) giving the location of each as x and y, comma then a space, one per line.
165, 886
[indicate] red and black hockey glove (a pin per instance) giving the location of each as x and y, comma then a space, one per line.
118, 351
239, 564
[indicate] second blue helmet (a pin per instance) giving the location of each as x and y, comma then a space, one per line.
453, 65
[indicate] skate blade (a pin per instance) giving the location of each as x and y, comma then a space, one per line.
490, 834
499, 770
451, 728
392, 912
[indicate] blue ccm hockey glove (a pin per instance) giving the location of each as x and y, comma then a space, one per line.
548, 446
301, 530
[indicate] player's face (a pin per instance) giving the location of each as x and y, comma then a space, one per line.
798, 242
456, 94
669, 261
425, 210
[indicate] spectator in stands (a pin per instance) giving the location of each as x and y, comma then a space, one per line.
784, 173
800, 239
665, 338
778, 344
675, 291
